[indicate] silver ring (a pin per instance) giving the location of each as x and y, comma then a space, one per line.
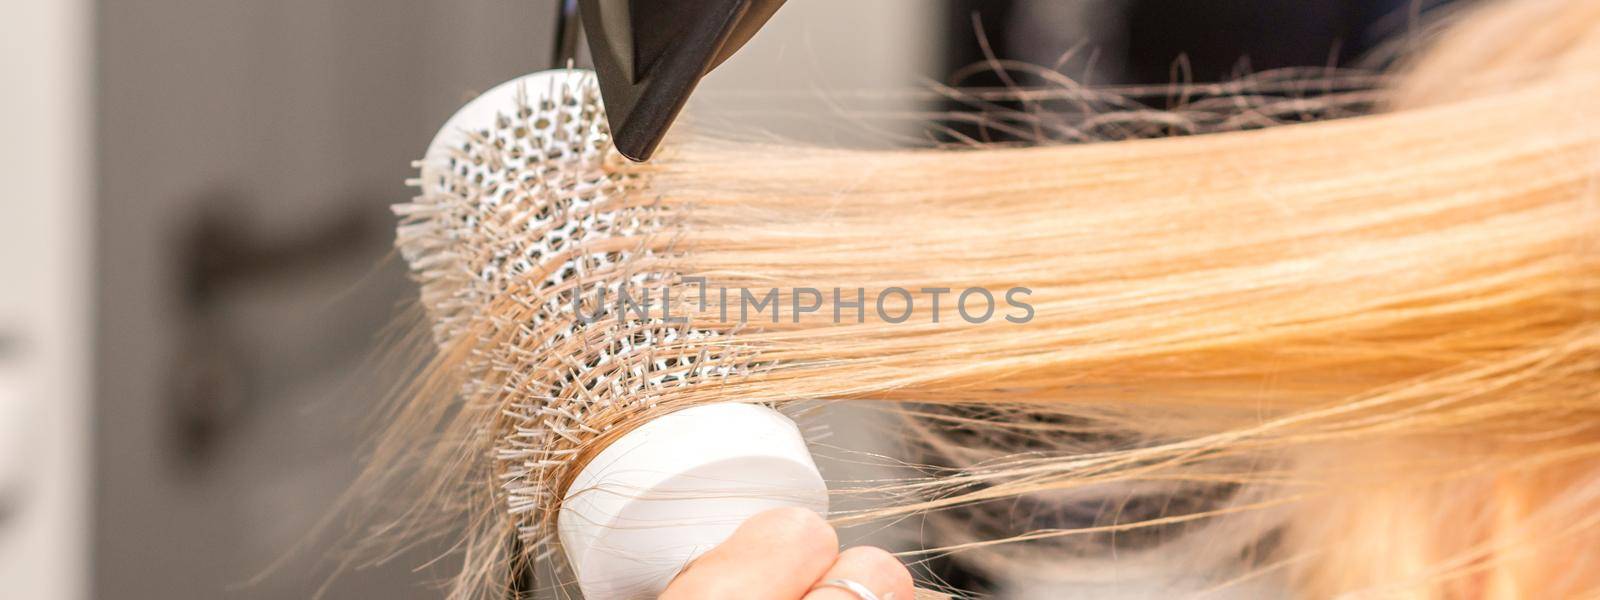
861, 591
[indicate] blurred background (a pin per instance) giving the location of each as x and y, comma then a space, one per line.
200, 273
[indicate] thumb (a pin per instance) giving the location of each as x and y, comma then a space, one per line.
776, 555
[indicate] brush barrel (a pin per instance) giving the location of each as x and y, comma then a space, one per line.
665, 493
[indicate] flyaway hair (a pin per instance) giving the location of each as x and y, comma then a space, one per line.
1357, 356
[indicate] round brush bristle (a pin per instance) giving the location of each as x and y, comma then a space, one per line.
527, 215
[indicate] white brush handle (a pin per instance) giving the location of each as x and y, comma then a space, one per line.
665, 493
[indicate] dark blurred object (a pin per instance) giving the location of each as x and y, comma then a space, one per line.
1140, 41
1222, 40
1156, 43
568, 30
222, 254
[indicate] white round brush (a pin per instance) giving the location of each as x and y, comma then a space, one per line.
658, 496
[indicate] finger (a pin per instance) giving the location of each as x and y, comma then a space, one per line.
875, 568
775, 555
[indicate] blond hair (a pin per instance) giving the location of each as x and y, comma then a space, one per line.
1376, 333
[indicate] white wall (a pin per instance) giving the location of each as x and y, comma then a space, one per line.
45, 252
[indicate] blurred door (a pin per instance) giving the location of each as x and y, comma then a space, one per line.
250, 150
